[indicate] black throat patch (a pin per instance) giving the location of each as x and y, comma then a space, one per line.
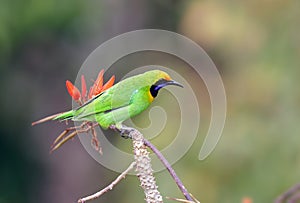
157, 86
154, 90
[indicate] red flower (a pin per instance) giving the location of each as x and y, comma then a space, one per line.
73, 91
247, 200
83, 88
94, 90
109, 83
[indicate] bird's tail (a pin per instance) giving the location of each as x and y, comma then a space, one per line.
65, 116
59, 116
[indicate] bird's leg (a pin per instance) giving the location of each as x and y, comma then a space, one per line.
126, 132
114, 128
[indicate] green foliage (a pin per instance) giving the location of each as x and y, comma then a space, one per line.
21, 21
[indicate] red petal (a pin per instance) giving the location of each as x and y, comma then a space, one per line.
73, 91
83, 88
90, 93
98, 84
109, 83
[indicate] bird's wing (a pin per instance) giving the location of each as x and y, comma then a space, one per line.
117, 96
89, 101
103, 103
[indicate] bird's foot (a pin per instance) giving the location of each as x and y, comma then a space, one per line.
123, 130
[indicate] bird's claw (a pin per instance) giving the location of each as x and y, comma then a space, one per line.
125, 136
124, 130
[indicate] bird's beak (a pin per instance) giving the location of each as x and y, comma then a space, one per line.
163, 82
172, 82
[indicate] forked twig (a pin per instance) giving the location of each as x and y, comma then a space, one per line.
66, 131
85, 127
144, 171
147, 143
109, 187
65, 139
61, 139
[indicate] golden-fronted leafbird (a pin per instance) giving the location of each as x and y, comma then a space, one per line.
123, 100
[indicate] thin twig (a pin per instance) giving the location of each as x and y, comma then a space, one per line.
170, 169
109, 187
183, 200
66, 131
73, 131
95, 142
62, 140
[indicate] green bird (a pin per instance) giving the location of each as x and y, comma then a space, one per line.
122, 101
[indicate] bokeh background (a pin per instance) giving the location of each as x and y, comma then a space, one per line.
255, 45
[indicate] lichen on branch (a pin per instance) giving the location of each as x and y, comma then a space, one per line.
144, 168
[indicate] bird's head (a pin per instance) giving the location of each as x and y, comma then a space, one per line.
162, 79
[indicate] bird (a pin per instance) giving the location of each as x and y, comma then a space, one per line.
122, 101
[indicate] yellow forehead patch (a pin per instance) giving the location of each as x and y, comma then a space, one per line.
165, 76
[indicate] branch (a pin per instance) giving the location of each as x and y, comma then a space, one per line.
131, 132
144, 168
170, 169
109, 187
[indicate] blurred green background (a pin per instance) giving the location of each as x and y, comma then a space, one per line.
255, 45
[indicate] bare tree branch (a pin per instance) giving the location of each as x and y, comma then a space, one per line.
170, 169
144, 169
109, 187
